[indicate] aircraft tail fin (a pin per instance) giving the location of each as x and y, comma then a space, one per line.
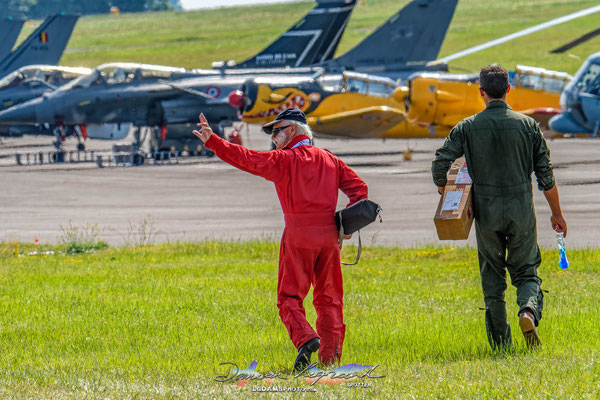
9, 31
413, 35
44, 46
312, 40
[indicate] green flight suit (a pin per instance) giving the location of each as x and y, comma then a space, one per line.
502, 148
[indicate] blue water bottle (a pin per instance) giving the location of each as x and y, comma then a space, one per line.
563, 263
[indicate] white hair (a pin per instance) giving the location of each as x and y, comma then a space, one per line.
303, 129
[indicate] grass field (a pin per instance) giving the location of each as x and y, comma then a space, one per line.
197, 38
156, 321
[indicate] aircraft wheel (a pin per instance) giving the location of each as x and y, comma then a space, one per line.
161, 154
138, 159
58, 157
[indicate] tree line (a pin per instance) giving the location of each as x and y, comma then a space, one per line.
37, 9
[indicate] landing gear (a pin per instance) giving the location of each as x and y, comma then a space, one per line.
58, 156
59, 138
138, 159
79, 132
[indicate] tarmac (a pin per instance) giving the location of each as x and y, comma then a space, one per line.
201, 198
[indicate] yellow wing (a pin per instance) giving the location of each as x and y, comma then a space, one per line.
370, 122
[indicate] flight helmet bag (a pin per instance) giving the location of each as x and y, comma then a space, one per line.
354, 218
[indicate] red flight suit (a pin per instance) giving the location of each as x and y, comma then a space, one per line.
307, 180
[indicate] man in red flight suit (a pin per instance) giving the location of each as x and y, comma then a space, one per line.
307, 180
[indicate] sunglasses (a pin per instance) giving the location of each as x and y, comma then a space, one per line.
275, 131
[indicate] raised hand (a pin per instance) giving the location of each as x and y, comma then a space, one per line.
205, 132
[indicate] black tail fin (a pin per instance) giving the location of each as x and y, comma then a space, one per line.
312, 40
9, 31
44, 46
414, 35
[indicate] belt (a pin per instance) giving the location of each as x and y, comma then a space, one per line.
310, 219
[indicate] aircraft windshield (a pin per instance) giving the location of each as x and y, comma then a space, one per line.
11, 80
30, 76
589, 81
117, 75
151, 73
332, 83
540, 79
365, 84
68, 75
84, 81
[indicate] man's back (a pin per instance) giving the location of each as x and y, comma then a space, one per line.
311, 182
306, 178
499, 147
502, 149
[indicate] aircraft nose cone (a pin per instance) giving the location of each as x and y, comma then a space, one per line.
18, 115
236, 99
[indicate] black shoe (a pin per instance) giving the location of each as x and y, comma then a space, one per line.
303, 358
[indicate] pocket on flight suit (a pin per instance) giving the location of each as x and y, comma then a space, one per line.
488, 211
520, 215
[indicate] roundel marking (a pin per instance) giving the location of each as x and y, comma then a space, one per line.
213, 91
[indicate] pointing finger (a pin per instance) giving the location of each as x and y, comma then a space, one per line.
203, 119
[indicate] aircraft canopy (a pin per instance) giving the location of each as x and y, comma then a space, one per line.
115, 73
45, 73
539, 79
589, 80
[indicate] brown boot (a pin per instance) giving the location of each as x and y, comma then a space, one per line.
527, 324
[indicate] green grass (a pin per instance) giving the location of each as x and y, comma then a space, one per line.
156, 321
195, 39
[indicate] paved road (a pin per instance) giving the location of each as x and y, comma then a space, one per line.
205, 198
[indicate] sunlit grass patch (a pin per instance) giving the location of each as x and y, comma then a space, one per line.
155, 321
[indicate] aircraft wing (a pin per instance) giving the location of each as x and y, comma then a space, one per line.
187, 90
370, 122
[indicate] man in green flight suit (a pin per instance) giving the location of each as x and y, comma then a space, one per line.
502, 148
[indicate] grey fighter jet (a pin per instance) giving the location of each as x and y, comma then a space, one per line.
312, 40
144, 95
30, 82
119, 93
33, 81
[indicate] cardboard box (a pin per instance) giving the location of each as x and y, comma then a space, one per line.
454, 215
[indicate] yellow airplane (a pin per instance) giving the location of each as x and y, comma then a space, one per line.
348, 105
440, 101
364, 106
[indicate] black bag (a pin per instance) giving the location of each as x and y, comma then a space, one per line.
354, 218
